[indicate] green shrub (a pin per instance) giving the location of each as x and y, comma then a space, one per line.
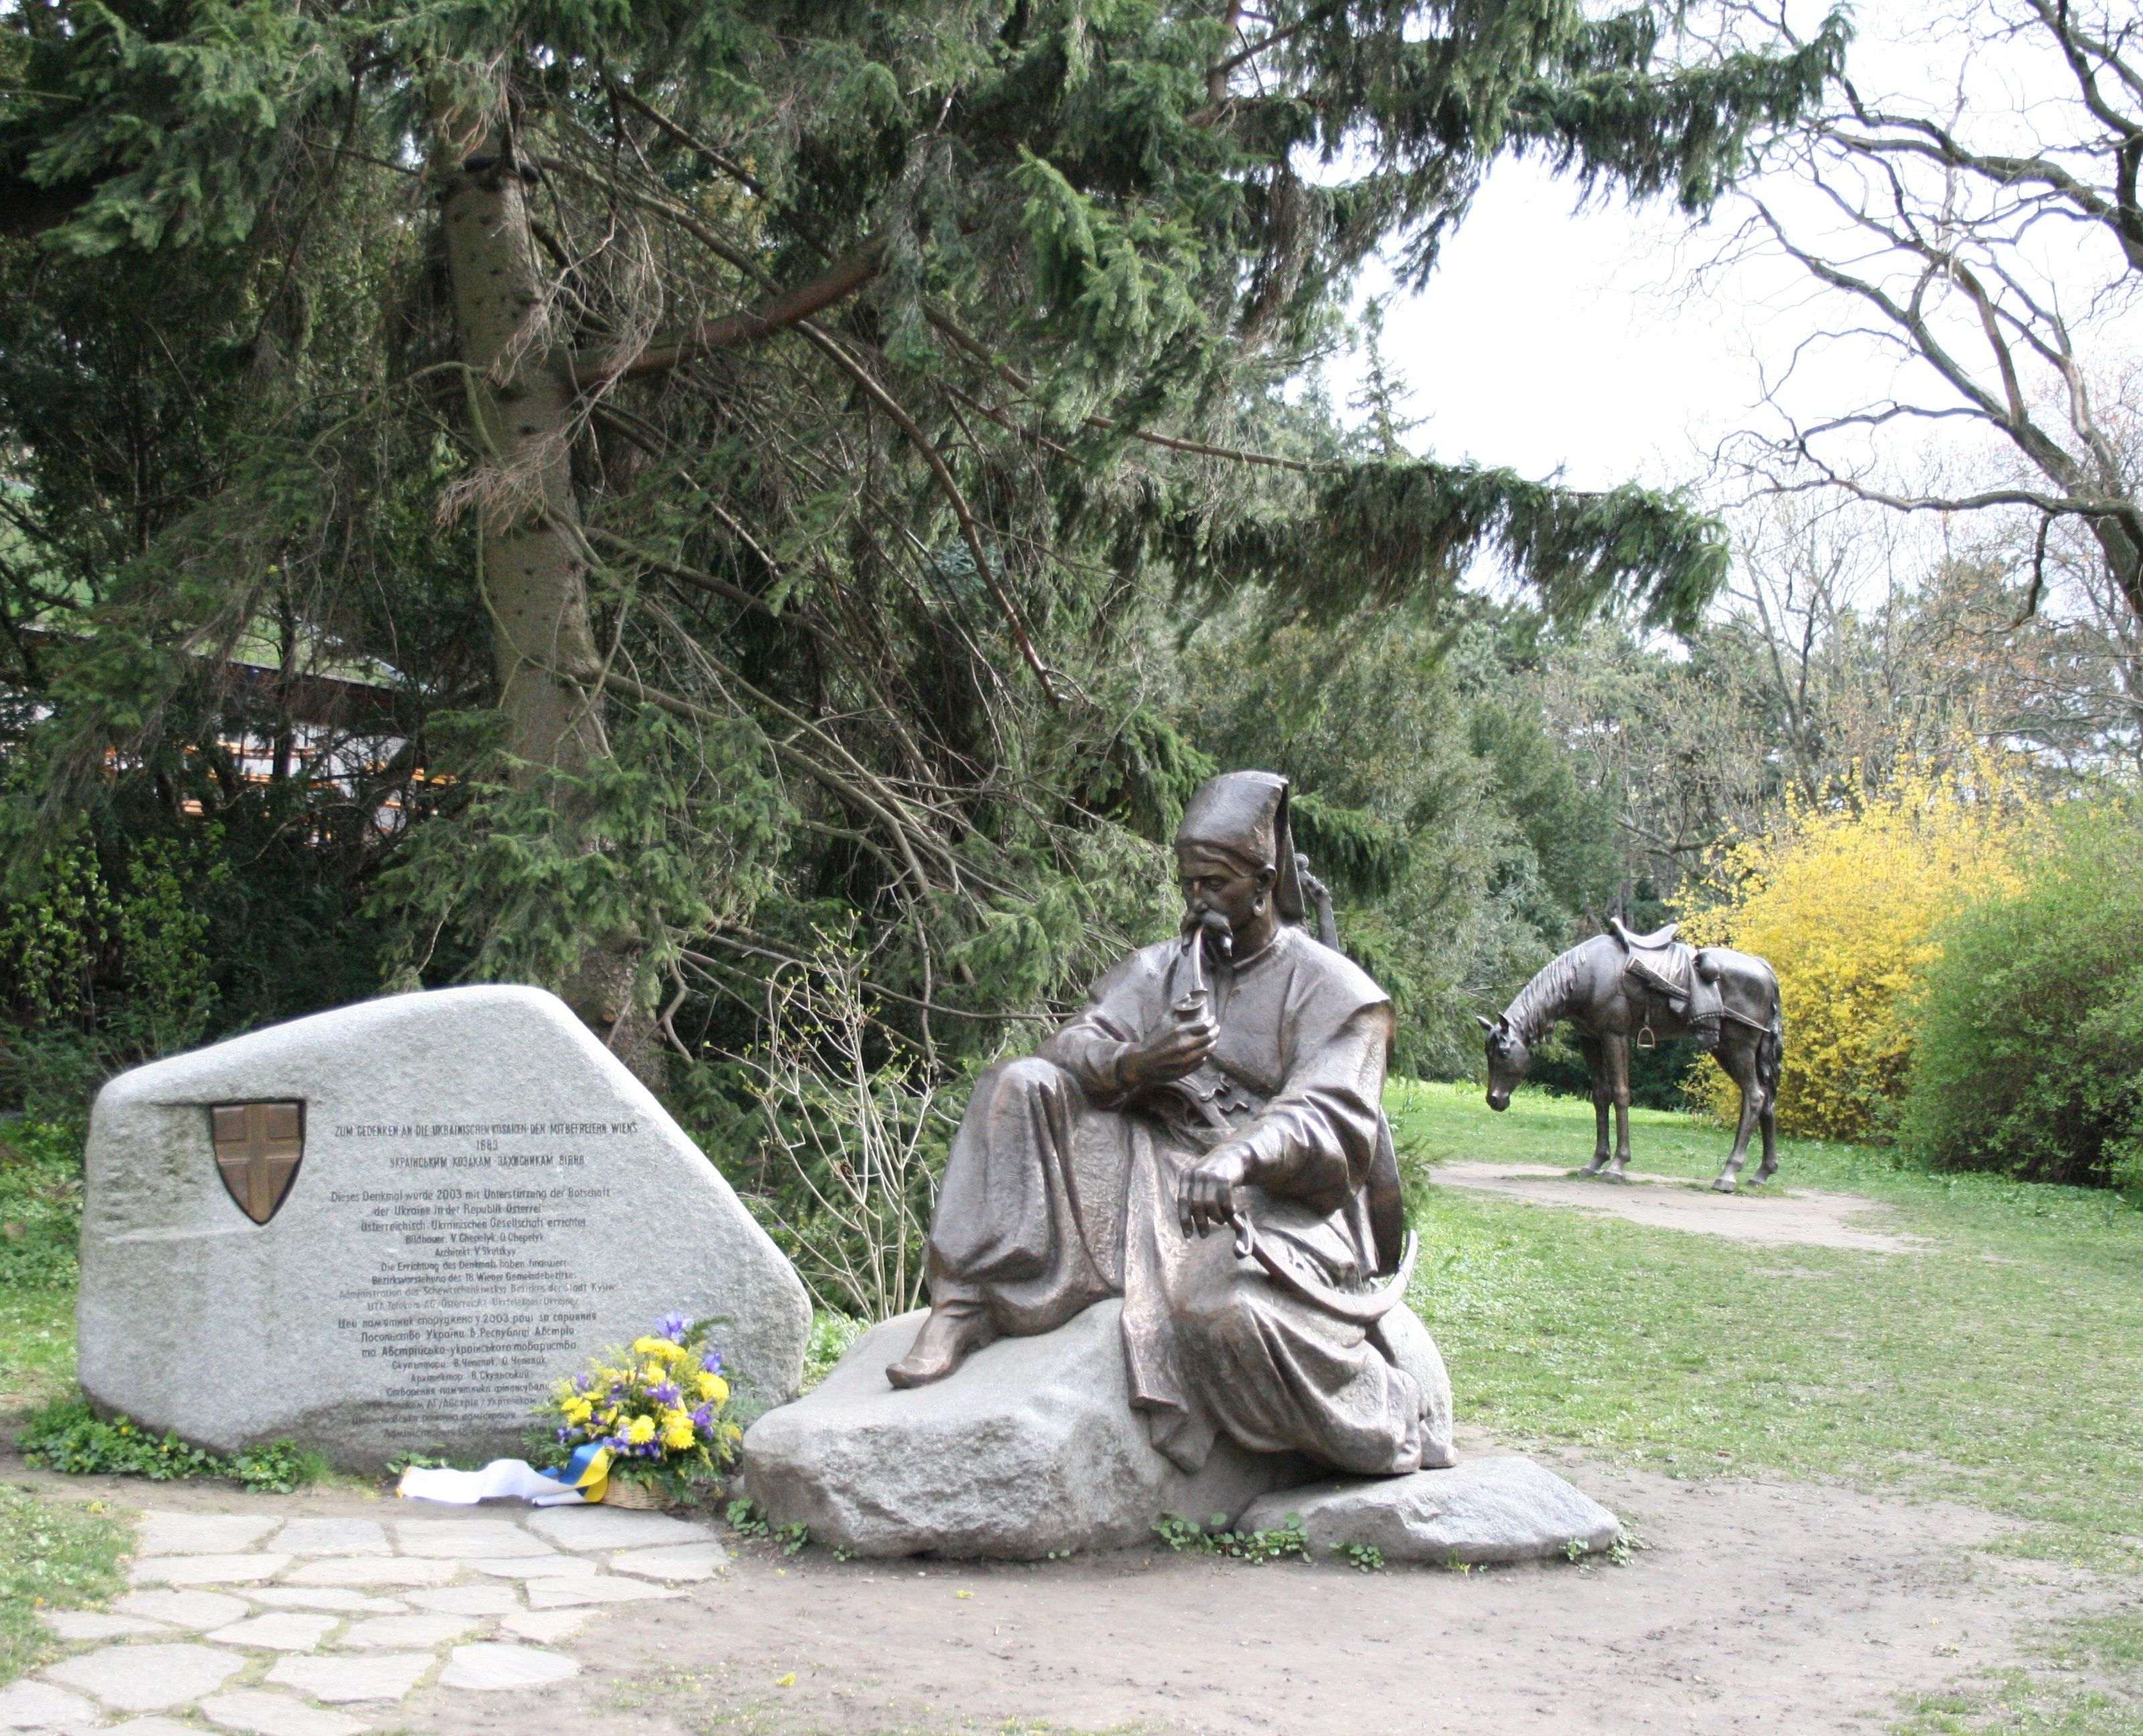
40, 1203
69, 1438
1185, 1536
831, 1336
2030, 1048
105, 964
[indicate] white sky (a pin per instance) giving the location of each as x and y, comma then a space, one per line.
1553, 339
1550, 339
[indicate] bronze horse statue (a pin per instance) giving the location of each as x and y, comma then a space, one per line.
1618, 988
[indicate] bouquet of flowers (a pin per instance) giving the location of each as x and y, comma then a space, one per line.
661, 1408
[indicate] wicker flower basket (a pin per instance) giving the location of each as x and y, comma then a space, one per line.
618, 1492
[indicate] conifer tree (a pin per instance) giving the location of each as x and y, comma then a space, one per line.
761, 440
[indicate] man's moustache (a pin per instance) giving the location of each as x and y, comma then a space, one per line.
1212, 928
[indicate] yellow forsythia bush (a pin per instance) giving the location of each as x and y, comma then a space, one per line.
1845, 903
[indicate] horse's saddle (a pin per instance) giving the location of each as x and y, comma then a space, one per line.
1662, 969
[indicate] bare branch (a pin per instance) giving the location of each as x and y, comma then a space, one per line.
777, 314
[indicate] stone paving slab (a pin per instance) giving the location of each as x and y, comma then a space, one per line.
201, 1534
275, 1714
325, 1597
540, 1567
93, 1625
465, 1538
185, 1609
41, 1706
395, 1630
383, 1676
362, 1612
547, 1627
600, 1527
689, 1561
537, 1567
148, 1678
205, 1570
284, 1631
468, 1600
371, 1570
333, 1537
565, 1593
492, 1668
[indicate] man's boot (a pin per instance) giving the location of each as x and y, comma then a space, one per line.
955, 1330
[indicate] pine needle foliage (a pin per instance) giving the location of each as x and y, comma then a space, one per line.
1389, 531
907, 368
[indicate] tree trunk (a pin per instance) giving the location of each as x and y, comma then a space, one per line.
521, 401
534, 582
2124, 560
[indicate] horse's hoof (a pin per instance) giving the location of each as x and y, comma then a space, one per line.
1594, 1167
1725, 1185
1618, 1173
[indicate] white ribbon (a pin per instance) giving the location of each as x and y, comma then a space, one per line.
499, 1480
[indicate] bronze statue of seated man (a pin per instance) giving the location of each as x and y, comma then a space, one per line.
1232, 1079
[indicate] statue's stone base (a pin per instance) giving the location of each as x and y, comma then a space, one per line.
1486, 1510
1031, 1449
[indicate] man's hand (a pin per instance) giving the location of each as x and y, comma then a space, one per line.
1205, 1197
1172, 1049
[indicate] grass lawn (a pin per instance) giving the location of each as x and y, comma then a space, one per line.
36, 1347
57, 1555
2001, 1364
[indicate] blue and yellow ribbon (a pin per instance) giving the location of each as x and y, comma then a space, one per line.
588, 1471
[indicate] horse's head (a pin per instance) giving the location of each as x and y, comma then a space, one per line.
1509, 1060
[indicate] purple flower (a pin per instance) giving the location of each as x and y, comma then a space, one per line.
703, 1419
564, 1434
711, 1363
666, 1394
672, 1326
580, 1384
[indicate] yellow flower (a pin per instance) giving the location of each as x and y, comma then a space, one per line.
1849, 902
732, 1433
663, 1350
607, 1416
641, 1430
714, 1389
653, 1374
578, 1411
676, 1429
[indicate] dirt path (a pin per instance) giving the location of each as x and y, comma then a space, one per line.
1753, 1606
1673, 1202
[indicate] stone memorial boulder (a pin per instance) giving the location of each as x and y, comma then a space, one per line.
1031, 1449
1503, 1509
392, 1226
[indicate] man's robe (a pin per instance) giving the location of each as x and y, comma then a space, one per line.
1061, 1189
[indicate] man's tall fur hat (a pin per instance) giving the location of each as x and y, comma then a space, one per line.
1241, 818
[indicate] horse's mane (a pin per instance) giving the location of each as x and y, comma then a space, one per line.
1533, 1012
